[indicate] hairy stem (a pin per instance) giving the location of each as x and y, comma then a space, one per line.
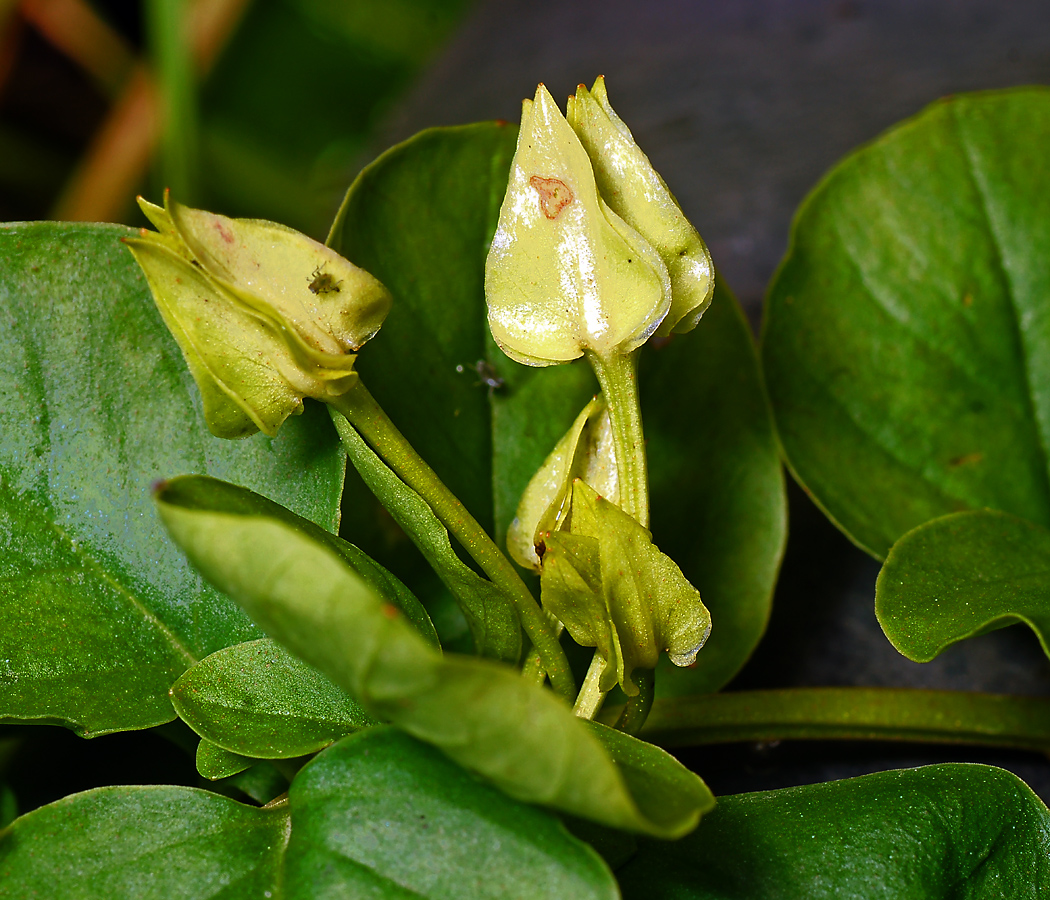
618, 377
368, 418
890, 714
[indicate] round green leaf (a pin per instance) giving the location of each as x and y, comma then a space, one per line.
935, 833
906, 345
380, 814
99, 614
963, 575
150, 843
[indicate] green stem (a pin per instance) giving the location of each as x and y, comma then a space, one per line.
636, 709
591, 696
889, 714
362, 411
618, 377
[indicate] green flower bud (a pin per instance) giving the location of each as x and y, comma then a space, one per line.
632, 188
586, 451
565, 274
614, 590
264, 316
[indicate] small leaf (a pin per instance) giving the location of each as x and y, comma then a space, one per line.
935, 833
963, 575
214, 763
150, 843
481, 713
259, 701
99, 614
490, 615
906, 344
381, 814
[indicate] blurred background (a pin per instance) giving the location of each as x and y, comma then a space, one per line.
268, 108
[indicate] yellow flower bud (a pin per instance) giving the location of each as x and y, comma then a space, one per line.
628, 183
565, 274
264, 316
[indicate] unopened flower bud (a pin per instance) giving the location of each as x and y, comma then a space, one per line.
628, 183
264, 315
565, 274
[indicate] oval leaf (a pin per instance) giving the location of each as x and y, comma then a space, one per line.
381, 814
906, 345
935, 833
258, 700
214, 763
151, 843
99, 614
481, 713
963, 575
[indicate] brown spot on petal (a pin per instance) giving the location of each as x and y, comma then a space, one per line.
554, 193
224, 232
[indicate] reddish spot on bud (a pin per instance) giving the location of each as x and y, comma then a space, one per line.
554, 193
224, 232
390, 611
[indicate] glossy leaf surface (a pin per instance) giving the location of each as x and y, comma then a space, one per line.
963, 575
99, 614
214, 763
257, 700
906, 346
935, 833
420, 219
151, 843
383, 815
378, 815
481, 713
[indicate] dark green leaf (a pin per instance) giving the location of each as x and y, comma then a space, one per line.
490, 615
963, 575
937, 833
378, 815
481, 713
99, 614
214, 763
718, 504
258, 700
143, 842
383, 815
906, 347
420, 219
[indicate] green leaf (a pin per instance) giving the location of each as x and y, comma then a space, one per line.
378, 815
420, 218
214, 763
906, 346
491, 616
717, 496
99, 614
935, 833
143, 842
383, 815
963, 575
481, 713
259, 701
213, 495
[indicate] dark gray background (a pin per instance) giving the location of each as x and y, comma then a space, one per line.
742, 106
